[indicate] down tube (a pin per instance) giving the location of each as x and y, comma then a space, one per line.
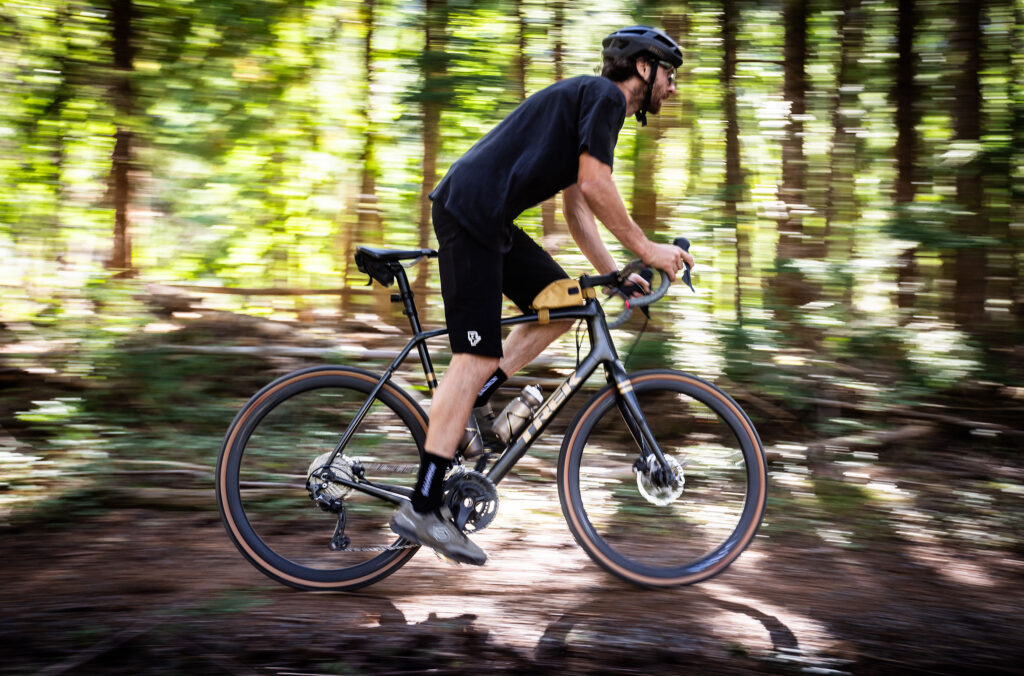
543, 416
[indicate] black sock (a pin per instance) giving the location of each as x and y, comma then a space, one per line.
490, 387
428, 493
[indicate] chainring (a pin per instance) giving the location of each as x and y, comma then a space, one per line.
654, 489
472, 498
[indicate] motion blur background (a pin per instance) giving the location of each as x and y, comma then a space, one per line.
183, 184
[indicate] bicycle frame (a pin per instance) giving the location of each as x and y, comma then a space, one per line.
602, 353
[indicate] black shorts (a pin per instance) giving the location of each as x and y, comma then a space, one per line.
474, 277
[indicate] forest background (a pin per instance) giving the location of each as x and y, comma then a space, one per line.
183, 185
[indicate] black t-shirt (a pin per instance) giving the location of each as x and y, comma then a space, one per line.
532, 155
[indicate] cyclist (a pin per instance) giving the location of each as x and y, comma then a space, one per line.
560, 139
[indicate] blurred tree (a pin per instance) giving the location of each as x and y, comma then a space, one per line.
556, 36
1016, 92
1000, 106
688, 104
123, 34
906, 93
967, 262
791, 287
734, 181
841, 210
520, 61
433, 96
646, 148
368, 227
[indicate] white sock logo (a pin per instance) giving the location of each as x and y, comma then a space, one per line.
474, 338
427, 478
486, 385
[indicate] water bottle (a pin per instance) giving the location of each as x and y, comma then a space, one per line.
519, 411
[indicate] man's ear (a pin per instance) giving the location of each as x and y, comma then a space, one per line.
644, 68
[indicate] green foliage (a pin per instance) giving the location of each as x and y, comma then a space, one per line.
257, 125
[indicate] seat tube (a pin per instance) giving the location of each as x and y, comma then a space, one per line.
409, 310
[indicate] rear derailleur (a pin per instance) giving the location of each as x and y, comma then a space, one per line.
319, 486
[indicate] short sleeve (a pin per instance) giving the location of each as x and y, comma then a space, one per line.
601, 114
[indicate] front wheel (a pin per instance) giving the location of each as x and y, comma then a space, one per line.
644, 525
282, 437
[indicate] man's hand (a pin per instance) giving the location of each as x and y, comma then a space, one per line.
636, 285
667, 257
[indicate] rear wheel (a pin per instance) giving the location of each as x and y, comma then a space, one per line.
647, 526
285, 434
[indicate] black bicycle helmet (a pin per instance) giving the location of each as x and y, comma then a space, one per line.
634, 41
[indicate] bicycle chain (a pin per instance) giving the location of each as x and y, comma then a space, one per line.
380, 548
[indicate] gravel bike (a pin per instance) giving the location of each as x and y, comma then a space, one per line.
661, 475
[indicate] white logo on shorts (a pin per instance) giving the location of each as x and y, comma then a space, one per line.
474, 338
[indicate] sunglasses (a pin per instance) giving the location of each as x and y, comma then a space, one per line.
670, 71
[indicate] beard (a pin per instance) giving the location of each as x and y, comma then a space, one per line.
660, 94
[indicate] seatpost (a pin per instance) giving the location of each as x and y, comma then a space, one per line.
405, 295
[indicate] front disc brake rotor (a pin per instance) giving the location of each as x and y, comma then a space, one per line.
657, 489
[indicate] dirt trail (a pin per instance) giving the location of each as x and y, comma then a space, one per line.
148, 591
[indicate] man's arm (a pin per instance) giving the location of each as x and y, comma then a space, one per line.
601, 198
583, 229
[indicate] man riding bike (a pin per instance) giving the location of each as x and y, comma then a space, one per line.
560, 139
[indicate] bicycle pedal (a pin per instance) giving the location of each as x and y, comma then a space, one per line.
446, 559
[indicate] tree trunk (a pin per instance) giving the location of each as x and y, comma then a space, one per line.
648, 139
1001, 203
840, 202
905, 94
969, 263
1017, 159
519, 67
121, 14
549, 208
433, 94
792, 289
367, 228
688, 112
645, 162
733, 167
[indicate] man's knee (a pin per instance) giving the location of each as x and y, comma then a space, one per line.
474, 363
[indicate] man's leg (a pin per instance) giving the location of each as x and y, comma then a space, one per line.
453, 401
421, 520
471, 289
526, 341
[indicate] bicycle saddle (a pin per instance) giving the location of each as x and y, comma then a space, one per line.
394, 254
